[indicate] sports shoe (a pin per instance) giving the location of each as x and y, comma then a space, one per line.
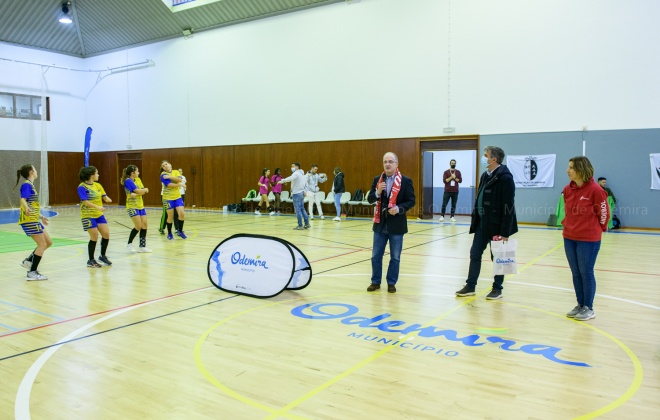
298, 228
372, 287
130, 248
441, 219
322, 217
337, 219
93, 264
574, 311
391, 288
35, 275
311, 216
161, 231
272, 213
466, 291
105, 260
279, 213
308, 226
257, 212
452, 219
143, 249
494, 294
585, 314
170, 237
181, 235
27, 264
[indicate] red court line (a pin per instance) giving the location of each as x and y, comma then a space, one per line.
102, 312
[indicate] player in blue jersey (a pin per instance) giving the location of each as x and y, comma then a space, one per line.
135, 207
28, 218
92, 195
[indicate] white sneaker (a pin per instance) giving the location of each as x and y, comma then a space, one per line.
452, 219
322, 217
27, 264
143, 249
441, 219
130, 248
279, 213
257, 213
272, 213
337, 219
311, 217
35, 276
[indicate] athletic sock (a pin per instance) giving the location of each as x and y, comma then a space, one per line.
91, 246
169, 228
104, 245
143, 238
35, 262
180, 225
132, 235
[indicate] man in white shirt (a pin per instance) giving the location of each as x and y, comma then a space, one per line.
298, 181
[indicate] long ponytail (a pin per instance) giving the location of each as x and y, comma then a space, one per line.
23, 172
126, 173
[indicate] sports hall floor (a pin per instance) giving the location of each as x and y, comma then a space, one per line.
150, 337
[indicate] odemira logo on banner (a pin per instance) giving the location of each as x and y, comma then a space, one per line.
533, 171
258, 266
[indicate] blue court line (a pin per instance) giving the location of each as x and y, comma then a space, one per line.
8, 327
11, 215
30, 310
116, 328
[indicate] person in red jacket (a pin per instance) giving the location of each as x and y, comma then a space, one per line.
587, 215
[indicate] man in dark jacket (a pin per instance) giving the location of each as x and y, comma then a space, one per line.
493, 217
394, 195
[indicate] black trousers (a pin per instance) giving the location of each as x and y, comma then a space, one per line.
445, 199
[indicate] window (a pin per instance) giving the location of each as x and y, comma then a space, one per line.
25, 107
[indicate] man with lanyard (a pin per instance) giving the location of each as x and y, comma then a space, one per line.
451, 178
494, 216
394, 195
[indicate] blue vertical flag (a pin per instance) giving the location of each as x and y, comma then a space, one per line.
88, 140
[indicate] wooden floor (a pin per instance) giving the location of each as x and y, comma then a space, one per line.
150, 337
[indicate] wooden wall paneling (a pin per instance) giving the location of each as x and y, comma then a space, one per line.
216, 178
150, 174
63, 179
409, 161
106, 164
190, 160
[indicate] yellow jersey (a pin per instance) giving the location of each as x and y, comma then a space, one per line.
94, 194
170, 193
131, 185
29, 193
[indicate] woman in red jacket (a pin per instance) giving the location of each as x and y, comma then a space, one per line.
587, 214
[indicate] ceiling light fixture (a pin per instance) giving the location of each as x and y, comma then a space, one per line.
64, 17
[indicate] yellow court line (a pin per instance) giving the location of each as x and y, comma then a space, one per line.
385, 350
284, 411
637, 365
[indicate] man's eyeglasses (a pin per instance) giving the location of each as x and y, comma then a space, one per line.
389, 161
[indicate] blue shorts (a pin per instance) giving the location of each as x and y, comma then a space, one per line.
92, 223
136, 212
172, 204
33, 228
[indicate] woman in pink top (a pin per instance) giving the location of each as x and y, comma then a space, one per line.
263, 183
277, 190
586, 219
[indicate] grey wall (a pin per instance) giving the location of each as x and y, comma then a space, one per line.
10, 162
622, 156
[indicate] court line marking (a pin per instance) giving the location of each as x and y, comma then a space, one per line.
22, 404
284, 411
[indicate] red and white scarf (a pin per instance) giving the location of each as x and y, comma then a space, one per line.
396, 187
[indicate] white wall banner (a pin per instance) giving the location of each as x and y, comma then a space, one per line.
532, 171
258, 266
655, 171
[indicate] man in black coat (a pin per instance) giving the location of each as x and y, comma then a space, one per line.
493, 217
394, 195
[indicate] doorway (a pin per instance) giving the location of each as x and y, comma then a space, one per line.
123, 160
436, 154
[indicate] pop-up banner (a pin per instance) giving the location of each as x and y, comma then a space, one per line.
258, 266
